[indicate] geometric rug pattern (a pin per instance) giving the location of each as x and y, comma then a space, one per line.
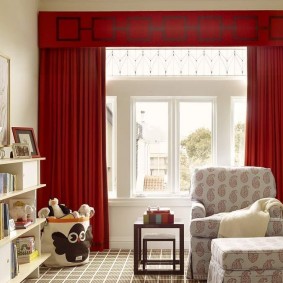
109, 266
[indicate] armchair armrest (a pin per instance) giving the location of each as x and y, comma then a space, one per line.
198, 210
275, 211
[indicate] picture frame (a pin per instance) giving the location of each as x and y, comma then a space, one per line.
4, 100
26, 135
21, 150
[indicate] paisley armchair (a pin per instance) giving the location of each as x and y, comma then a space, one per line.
224, 189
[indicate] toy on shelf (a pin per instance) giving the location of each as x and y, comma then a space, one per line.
21, 211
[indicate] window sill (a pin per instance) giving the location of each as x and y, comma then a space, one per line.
176, 201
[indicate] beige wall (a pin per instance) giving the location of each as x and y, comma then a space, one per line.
158, 5
18, 41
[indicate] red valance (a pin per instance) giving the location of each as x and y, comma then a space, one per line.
167, 28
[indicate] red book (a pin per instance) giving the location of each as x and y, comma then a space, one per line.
22, 224
165, 217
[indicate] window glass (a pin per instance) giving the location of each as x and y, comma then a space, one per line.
195, 139
151, 146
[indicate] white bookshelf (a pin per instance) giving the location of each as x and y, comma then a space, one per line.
27, 184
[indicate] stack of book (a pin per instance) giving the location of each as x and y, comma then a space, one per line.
7, 183
26, 250
22, 224
158, 215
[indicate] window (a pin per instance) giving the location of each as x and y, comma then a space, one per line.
196, 138
111, 120
160, 166
150, 148
163, 124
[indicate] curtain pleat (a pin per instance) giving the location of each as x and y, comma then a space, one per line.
264, 138
72, 133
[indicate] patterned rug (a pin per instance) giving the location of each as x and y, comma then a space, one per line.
109, 266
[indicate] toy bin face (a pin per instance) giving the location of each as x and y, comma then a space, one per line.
68, 241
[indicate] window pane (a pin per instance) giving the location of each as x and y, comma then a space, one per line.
151, 146
111, 144
239, 106
195, 140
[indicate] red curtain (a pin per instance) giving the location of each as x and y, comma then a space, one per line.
72, 133
264, 135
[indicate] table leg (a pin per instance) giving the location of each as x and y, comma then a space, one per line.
182, 249
136, 249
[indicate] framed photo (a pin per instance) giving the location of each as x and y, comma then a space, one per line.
26, 135
4, 101
21, 150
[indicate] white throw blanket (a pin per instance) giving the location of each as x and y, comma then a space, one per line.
248, 222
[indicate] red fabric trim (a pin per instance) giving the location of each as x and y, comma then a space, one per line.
153, 28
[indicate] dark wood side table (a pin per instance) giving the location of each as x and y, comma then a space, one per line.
138, 226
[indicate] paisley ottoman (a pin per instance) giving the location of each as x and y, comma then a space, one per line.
249, 260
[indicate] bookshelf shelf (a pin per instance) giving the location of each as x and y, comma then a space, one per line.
27, 269
27, 172
20, 192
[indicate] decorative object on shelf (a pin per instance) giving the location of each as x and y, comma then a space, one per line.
5, 152
4, 100
26, 135
21, 150
22, 210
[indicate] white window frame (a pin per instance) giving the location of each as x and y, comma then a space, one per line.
113, 101
213, 101
234, 99
173, 140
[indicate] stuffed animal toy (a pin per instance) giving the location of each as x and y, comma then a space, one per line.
57, 210
21, 211
86, 211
